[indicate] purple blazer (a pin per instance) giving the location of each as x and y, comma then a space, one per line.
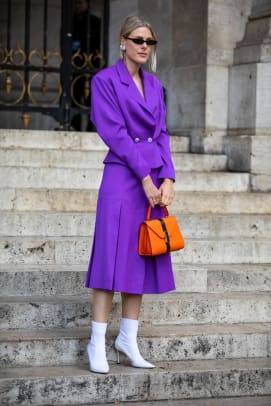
132, 127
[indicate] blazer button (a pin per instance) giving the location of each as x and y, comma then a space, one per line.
149, 139
136, 139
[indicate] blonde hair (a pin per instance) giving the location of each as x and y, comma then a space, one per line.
132, 23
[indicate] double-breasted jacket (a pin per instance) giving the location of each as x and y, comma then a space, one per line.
132, 126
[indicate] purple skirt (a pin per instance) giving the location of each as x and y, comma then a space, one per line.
115, 264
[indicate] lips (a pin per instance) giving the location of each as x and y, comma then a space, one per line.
141, 54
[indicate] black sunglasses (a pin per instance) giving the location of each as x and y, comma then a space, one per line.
140, 41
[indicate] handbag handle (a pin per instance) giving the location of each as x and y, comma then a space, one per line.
149, 211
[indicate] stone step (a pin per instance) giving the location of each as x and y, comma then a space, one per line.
67, 178
56, 347
67, 140
237, 401
62, 279
51, 158
169, 380
176, 308
76, 250
85, 200
56, 224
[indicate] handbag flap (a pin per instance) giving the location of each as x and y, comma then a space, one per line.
156, 227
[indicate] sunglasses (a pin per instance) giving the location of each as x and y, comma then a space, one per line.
140, 41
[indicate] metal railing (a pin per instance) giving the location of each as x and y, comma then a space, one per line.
52, 80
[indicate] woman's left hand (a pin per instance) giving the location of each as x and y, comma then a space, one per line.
167, 192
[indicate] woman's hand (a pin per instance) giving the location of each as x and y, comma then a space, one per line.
152, 193
167, 192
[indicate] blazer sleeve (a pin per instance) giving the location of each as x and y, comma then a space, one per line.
110, 125
167, 170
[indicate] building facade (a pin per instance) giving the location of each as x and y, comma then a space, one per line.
214, 60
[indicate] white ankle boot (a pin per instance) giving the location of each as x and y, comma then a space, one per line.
96, 349
126, 342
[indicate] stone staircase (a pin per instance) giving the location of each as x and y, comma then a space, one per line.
210, 340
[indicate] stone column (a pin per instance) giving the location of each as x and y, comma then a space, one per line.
248, 145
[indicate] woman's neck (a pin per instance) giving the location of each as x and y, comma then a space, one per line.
133, 68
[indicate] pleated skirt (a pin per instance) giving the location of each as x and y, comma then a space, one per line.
115, 264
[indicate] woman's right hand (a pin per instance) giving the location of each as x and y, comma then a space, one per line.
152, 193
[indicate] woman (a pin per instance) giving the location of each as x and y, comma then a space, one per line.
129, 114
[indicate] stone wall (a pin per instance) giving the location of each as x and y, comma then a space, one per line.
181, 53
214, 60
249, 143
196, 48
226, 25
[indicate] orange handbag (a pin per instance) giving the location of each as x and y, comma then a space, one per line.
159, 236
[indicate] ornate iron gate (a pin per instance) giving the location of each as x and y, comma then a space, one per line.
51, 80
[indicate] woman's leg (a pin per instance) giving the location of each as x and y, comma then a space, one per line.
102, 301
126, 341
131, 305
101, 304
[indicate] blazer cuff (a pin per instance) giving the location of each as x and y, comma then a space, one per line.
167, 172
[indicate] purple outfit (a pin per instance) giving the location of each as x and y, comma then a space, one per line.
134, 129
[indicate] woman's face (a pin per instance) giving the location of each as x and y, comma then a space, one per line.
138, 54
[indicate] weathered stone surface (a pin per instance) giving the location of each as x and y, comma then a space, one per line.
256, 44
215, 202
248, 401
94, 159
260, 8
55, 178
179, 144
242, 98
200, 162
196, 251
238, 150
76, 251
216, 96
7, 197
261, 183
177, 308
62, 280
251, 153
223, 290
27, 251
82, 225
55, 200
212, 182
263, 98
260, 154
182, 380
228, 251
55, 347
184, 202
239, 278
226, 26
59, 178
119, 10
51, 158
249, 108
47, 224
10, 138
186, 106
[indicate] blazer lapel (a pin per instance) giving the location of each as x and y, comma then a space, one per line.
149, 92
127, 80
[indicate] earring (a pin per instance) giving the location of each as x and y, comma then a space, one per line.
122, 47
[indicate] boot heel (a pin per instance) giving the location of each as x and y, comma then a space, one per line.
118, 356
